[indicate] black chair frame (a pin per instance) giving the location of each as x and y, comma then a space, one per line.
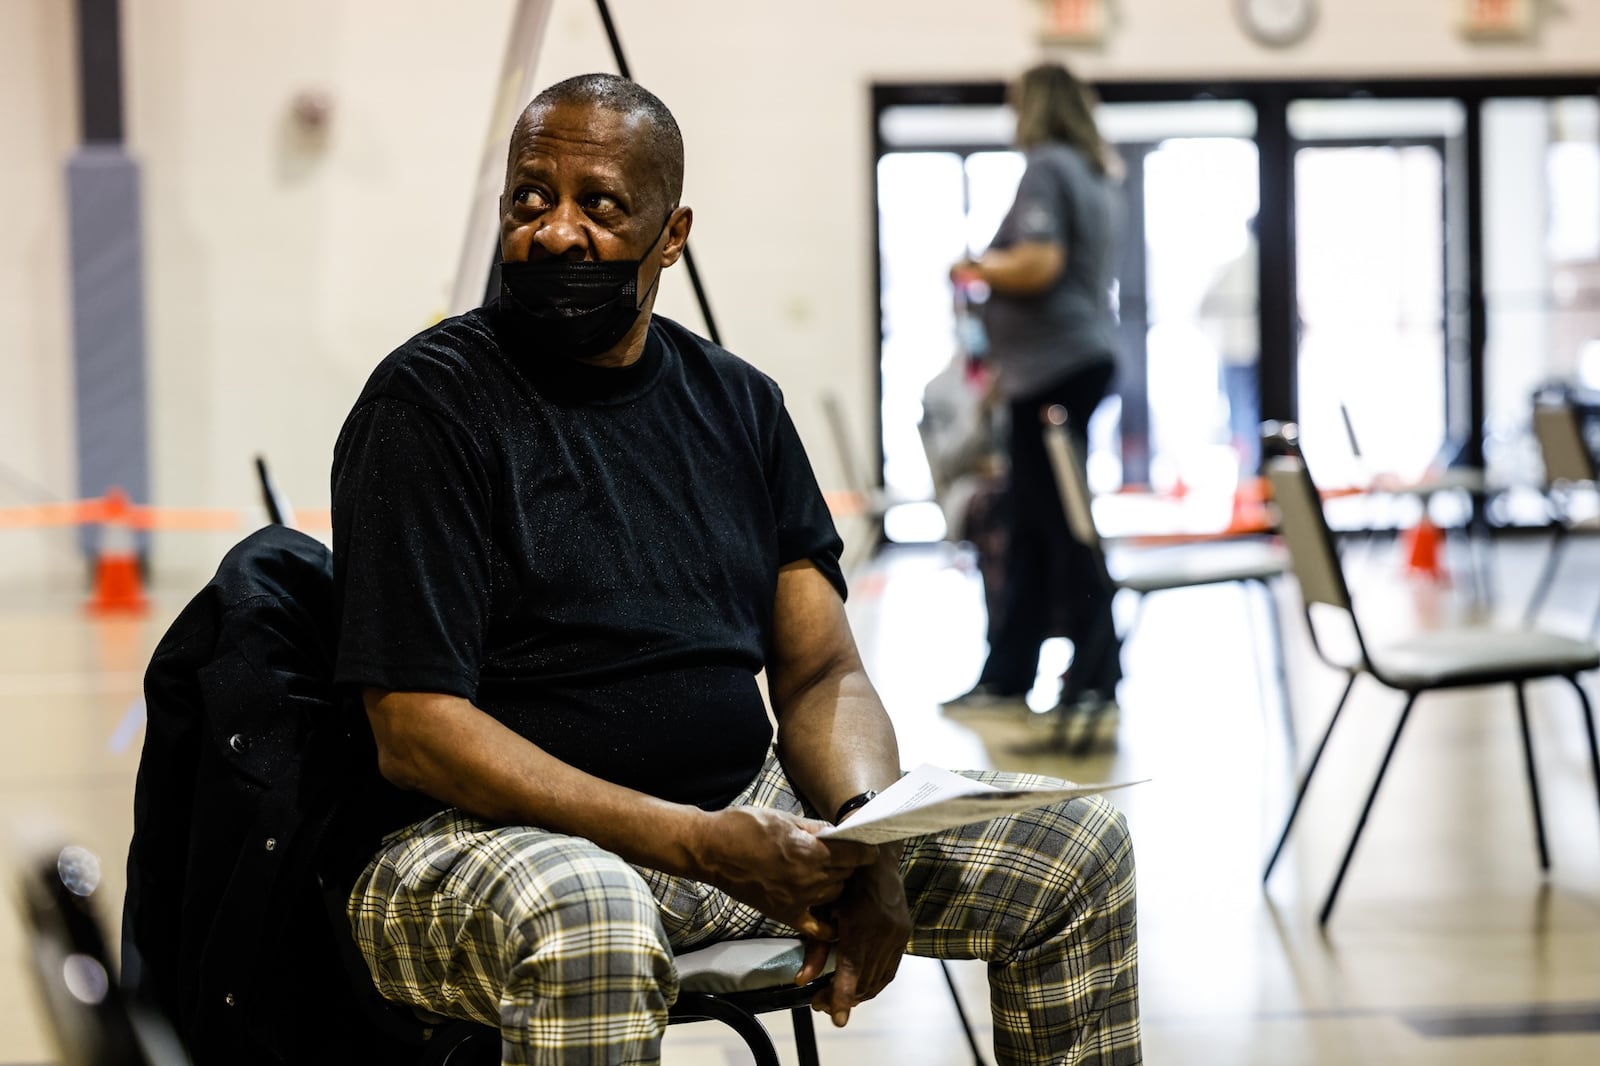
1569, 466
1333, 590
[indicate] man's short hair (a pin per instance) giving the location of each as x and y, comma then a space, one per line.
662, 139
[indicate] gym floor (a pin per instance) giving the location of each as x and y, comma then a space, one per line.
1448, 945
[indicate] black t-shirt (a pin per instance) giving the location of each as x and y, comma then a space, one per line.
588, 554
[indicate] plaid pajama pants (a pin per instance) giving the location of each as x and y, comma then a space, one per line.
568, 949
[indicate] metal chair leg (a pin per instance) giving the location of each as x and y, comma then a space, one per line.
1279, 664
1533, 777
805, 1035
1305, 782
1480, 534
462, 1044
694, 1006
1355, 838
1541, 587
961, 1012
1254, 637
1588, 725
1126, 636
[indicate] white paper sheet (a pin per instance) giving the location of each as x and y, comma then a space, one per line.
930, 799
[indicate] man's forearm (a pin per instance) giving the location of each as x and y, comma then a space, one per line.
447, 748
771, 860
836, 740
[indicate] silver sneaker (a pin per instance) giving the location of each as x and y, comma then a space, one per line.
1089, 725
985, 698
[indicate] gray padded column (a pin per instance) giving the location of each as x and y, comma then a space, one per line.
108, 323
107, 262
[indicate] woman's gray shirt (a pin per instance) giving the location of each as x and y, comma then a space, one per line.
1040, 339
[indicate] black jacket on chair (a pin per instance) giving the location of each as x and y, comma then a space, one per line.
249, 755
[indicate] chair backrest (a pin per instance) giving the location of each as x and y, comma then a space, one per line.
1561, 446
1072, 480
1304, 527
91, 1019
278, 510
855, 477
1350, 431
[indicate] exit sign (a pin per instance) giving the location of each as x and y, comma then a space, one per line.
1074, 21
1499, 19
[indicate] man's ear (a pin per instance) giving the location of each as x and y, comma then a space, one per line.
678, 227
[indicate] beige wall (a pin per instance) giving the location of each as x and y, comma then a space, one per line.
279, 272
282, 268
38, 124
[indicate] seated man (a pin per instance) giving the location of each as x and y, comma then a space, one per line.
568, 536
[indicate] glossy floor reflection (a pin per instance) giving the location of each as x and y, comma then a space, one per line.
1448, 945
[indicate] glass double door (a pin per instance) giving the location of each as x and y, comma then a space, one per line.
1377, 358
1183, 408
1379, 284
1371, 280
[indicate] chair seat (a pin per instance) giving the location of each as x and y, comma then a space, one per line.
742, 966
1187, 566
1445, 658
1452, 479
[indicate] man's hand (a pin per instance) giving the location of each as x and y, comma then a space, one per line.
873, 928
775, 862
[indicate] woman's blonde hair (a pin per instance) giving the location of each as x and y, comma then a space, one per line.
1053, 106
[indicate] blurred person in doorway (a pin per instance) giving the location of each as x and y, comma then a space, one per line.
1229, 312
1052, 340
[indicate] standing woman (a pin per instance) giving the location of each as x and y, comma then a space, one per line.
1052, 340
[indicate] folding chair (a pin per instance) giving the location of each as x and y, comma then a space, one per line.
1210, 562
1422, 663
95, 1024
90, 1020
277, 505
731, 983
1568, 466
1446, 475
870, 502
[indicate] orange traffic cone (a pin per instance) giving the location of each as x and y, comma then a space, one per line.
116, 569
1422, 554
1249, 514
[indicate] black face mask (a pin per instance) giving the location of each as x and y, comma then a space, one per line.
580, 309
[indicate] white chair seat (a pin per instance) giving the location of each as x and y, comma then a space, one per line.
742, 965
1444, 658
1452, 479
1189, 565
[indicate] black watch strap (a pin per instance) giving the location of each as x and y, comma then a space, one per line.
854, 803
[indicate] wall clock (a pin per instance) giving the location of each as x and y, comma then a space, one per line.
1276, 22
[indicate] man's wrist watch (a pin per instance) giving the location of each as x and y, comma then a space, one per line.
853, 804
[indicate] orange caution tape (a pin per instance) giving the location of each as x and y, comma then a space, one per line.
193, 519
44, 514
114, 507
844, 503
1153, 540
